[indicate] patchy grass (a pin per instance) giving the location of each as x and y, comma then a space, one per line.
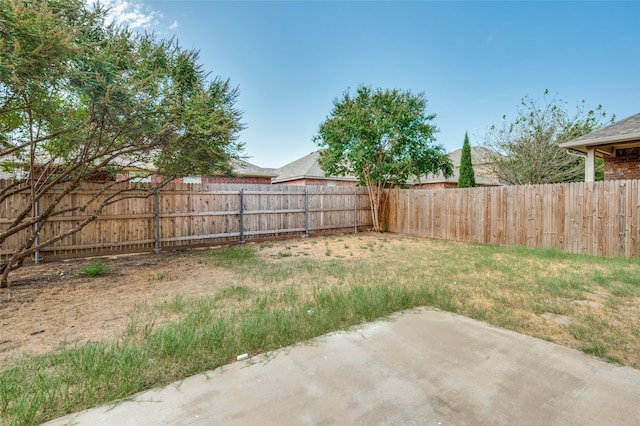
94, 269
273, 300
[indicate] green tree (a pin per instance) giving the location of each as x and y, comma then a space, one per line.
80, 100
384, 138
526, 148
467, 178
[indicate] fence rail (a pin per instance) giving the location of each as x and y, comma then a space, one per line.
599, 218
187, 215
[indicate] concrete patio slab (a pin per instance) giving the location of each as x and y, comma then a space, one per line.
422, 367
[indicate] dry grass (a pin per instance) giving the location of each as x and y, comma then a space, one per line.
257, 297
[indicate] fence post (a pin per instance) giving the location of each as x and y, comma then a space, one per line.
306, 212
355, 210
242, 216
36, 254
156, 214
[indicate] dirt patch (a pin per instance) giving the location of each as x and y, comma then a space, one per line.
51, 304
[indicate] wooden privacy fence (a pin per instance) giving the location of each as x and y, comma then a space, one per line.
593, 218
188, 215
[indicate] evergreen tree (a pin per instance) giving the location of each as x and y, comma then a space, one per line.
467, 177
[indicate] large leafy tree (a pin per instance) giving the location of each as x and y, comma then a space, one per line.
467, 177
526, 148
384, 138
82, 100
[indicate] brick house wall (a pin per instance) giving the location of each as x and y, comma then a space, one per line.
238, 180
625, 165
436, 185
317, 182
207, 179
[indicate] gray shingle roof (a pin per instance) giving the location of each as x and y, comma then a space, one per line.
479, 155
439, 178
306, 167
240, 168
246, 169
626, 130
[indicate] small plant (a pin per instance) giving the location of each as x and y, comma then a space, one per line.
236, 292
178, 304
161, 276
327, 251
94, 269
232, 257
284, 254
595, 349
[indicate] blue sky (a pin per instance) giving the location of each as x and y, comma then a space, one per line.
474, 61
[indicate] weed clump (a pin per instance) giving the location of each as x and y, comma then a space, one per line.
94, 269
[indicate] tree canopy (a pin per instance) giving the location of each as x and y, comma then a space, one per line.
467, 177
526, 147
382, 137
80, 99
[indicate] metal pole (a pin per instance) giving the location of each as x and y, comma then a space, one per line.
37, 259
242, 216
306, 212
156, 213
355, 210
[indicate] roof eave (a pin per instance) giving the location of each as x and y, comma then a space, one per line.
255, 175
602, 149
291, 178
584, 143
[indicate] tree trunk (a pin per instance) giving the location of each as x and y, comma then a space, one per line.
377, 200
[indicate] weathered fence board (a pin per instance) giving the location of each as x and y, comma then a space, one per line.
190, 215
599, 218
595, 218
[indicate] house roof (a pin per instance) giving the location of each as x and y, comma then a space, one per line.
439, 178
622, 134
240, 167
246, 169
479, 155
306, 167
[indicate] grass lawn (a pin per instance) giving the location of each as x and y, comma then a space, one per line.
284, 292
